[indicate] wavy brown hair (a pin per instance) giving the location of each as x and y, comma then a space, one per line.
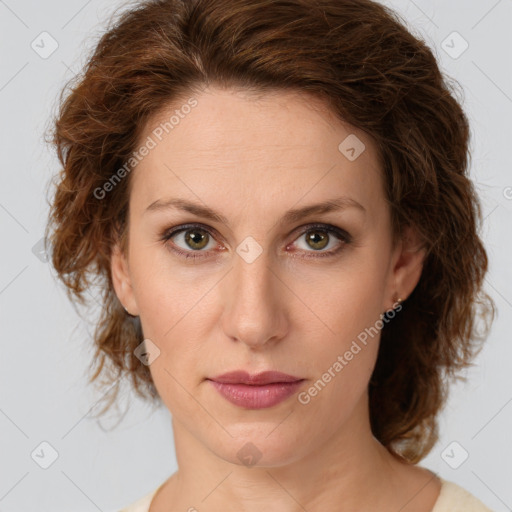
360, 58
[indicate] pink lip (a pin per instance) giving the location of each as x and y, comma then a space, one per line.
256, 391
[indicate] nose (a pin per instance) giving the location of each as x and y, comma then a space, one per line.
255, 302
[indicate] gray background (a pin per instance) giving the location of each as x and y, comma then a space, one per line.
46, 346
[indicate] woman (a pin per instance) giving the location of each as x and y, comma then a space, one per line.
275, 197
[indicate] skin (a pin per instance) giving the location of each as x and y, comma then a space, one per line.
252, 159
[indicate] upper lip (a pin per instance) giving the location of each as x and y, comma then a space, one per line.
243, 377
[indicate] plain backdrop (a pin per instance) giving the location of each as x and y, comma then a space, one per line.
46, 347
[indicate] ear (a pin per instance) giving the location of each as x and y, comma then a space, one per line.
122, 281
407, 266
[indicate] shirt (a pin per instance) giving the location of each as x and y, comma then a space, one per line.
452, 498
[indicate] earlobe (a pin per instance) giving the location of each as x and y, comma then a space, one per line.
122, 281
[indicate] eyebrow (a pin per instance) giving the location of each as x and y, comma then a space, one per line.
337, 204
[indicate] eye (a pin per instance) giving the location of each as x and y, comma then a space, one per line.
320, 236
192, 240
188, 240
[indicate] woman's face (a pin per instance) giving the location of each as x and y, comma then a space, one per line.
262, 289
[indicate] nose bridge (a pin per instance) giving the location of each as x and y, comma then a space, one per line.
253, 278
253, 312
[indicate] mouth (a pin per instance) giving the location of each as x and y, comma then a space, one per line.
259, 391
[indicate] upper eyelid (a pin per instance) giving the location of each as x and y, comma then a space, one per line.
185, 227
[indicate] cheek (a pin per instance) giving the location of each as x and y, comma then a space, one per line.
346, 298
161, 297
347, 302
343, 360
176, 392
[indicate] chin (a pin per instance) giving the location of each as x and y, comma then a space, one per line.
259, 446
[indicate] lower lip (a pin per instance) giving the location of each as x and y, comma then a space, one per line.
256, 397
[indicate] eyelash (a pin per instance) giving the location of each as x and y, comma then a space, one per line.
341, 234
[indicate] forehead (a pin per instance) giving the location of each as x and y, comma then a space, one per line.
270, 143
